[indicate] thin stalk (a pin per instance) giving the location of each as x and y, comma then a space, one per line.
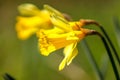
6, 76
93, 32
92, 60
115, 52
88, 22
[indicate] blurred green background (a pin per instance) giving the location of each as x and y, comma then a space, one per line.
21, 59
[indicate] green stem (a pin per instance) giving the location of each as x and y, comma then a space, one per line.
115, 52
88, 22
108, 52
6, 76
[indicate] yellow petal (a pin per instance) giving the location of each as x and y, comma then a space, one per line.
70, 51
52, 10
27, 22
44, 14
72, 56
60, 23
25, 27
62, 64
28, 9
29, 25
25, 34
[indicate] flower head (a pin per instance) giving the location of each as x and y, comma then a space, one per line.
67, 36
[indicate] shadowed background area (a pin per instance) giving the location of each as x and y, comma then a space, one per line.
23, 61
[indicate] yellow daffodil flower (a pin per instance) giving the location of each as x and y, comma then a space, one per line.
65, 35
31, 20
50, 41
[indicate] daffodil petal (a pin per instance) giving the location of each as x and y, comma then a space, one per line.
67, 60
25, 27
23, 35
60, 23
52, 10
72, 56
70, 52
28, 9
69, 49
62, 64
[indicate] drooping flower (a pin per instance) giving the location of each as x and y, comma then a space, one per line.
31, 20
67, 36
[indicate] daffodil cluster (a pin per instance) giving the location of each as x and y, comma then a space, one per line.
53, 30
